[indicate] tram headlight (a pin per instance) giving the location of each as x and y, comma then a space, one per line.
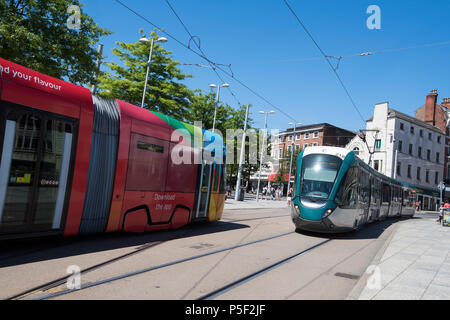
297, 209
327, 212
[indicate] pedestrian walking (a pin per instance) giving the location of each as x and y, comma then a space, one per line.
289, 196
441, 213
264, 193
272, 193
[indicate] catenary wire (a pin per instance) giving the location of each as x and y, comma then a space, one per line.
201, 50
231, 75
327, 58
367, 53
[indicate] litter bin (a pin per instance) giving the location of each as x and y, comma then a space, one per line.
241, 194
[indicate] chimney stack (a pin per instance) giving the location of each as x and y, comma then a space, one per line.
430, 107
446, 103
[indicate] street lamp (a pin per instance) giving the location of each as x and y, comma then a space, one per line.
262, 150
225, 85
145, 40
292, 153
241, 158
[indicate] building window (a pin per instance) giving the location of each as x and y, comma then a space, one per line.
297, 147
409, 171
430, 136
315, 144
376, 165
280, 153
400, 143
356, 150
305, 145
280, 140
307, 135
439, 139
428, 154
410, 149
419, 152
399, 167
289, 148
427, 176
377, 144
436, 177
418, 173
411, 130
437, 157
297, 137
402, 126
316, 134
421, 133
289, 138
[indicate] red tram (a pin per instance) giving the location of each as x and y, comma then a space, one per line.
73, 163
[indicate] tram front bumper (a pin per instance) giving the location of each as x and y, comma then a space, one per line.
325, 225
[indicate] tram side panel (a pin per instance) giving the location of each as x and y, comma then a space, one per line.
158, 194
62, 113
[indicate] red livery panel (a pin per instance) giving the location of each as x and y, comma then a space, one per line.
47, 133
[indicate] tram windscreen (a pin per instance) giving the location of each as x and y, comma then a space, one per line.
318, 173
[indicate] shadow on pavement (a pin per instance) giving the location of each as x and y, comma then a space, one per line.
369, 231
34, 250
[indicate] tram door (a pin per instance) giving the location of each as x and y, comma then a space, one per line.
205, 189
34, 169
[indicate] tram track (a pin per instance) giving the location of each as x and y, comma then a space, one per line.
258, 218
71, 242
234, 284
60, 281
38, 293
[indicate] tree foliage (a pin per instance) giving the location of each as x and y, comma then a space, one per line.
164, 92
34, 33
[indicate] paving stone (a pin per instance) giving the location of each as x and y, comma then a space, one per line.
416, 263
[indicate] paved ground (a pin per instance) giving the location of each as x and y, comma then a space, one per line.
329, 271
251, 203
414, 264
411, 254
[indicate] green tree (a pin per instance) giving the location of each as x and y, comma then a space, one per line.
164, 92
34, 33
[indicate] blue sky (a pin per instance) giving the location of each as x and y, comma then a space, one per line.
255, 35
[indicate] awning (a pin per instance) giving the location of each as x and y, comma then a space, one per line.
275, 176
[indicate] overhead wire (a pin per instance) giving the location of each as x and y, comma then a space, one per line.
327, 58
361, 54
231, 75
201, 50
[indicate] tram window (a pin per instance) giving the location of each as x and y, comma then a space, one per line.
363, 187
217, 170
347, 193
150, 147
222, 179
406, 198
318, 174
386, 193
375, 194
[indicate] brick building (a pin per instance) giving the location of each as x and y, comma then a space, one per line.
321, 134
437, 115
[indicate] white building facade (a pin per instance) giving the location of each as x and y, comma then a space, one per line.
404, 148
